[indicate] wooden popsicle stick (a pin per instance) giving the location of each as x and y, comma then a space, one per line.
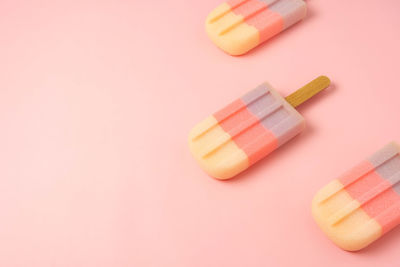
307, 91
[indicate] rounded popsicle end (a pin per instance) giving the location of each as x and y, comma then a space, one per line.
214, 150
215, 168
350, 233
229, 32
235, 44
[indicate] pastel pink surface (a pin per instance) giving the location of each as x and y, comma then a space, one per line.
96, 106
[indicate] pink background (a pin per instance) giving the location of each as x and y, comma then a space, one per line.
97, 99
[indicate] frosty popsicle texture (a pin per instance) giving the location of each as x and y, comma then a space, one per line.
248, 129
364, 203
237, 26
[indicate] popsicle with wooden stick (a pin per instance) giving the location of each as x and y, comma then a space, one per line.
248, 129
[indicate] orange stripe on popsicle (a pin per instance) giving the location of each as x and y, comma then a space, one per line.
231, 109
390, 218
356, 173
256, 14
268, 23
374, 193
251, 8
235, 3
259, 146
246, 131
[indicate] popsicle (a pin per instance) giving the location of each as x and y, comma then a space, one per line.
237, 136
237, 26
364, 203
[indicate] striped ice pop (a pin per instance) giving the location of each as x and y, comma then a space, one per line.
237, 26
364, 203
248, 129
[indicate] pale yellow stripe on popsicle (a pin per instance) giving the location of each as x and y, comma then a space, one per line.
342, 213
229, 31
352, 232
227, 21
226, 160
202, 128
218, 12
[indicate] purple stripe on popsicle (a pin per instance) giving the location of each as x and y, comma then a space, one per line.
387, 164
269, 2
291, 10
290, 125
274, 113
259, 96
